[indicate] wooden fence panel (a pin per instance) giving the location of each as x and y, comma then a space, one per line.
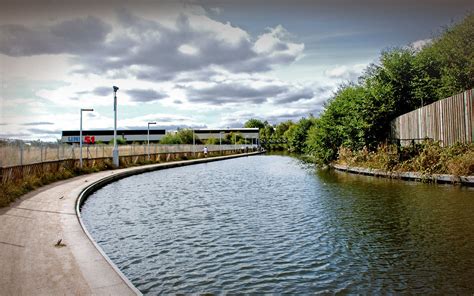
449, 121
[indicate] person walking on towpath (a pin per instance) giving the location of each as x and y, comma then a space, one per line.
205, 151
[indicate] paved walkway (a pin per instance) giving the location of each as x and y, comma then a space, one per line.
31, 264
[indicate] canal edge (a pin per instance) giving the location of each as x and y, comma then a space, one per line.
115, 176
407, 176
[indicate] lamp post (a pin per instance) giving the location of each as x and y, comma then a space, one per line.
220, 141
80, 137
194, 144
115, 151
148, 139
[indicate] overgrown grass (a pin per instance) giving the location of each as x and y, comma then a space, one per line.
11, 191
426, 158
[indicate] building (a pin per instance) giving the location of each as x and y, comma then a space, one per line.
105, 136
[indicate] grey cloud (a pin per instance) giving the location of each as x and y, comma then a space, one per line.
148, 50
14, 135
75, 36
233, 93
144, 95
153, 51
295, 95
103, 91
43, 131
38, 123
293, 116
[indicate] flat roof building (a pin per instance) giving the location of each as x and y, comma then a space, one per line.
130, 136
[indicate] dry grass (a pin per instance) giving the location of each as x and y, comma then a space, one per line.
427, 158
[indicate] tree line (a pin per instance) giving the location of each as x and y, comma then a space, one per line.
358, 114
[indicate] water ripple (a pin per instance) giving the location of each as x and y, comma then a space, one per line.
266, 225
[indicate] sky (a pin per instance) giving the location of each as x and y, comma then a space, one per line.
193, 64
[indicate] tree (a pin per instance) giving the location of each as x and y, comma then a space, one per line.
296, 134
186, 136
254, 123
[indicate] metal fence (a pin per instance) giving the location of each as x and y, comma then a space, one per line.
22, 154
448, 121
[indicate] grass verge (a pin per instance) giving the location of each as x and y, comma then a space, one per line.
427, 158
11, 191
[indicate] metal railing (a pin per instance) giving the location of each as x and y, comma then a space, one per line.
22, 154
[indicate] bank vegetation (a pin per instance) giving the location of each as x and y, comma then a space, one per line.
354, 126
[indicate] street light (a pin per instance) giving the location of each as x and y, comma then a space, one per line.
194, 144
80, 137
115, 151
220, 141
148, 139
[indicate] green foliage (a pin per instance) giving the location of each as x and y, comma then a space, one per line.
233, 138
120, 141
212, 141
296, 135
254, 123
170, 138
281, 128
182, 136
359, 115
185, 136
336, 126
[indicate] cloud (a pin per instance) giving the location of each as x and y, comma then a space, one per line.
76, 36
233, 92
419, 44
38, 123
216, 10
152, 50
294, 95
345, 72
144, 95
37, 131
102, 91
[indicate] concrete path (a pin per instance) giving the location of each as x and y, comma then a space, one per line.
31, 264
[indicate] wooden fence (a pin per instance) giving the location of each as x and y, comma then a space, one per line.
448, 121
17, 173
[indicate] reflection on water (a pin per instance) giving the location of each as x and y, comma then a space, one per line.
268, 224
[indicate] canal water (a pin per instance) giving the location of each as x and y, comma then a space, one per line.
270, 224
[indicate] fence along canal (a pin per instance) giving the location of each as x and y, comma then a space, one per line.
19, 161
448, 121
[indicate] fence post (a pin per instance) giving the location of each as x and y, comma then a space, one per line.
21, 154
41, 152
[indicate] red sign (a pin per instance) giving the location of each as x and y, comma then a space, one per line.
89, 139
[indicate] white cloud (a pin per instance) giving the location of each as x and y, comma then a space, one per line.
188, 49
346, 72
419, 44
